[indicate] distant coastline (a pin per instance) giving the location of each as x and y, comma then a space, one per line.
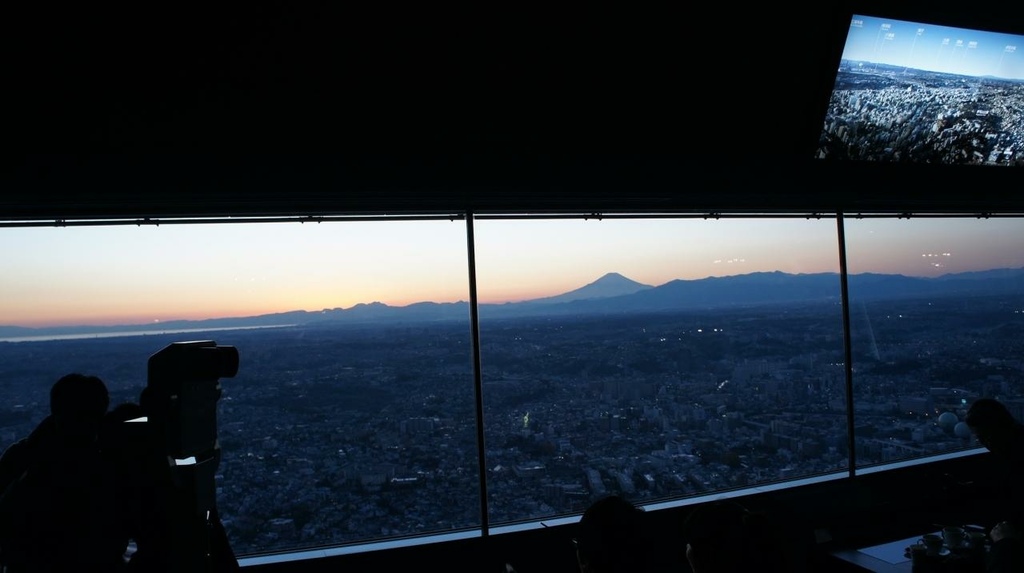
115, 334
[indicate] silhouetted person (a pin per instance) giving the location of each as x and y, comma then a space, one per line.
612, 537
56, 509
724, 537
122, 445
1003, 435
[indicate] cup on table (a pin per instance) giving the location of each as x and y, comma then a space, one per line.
932, 543
917, 552
953, 536
977, 538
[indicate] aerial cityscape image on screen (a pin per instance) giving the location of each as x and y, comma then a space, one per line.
920, 93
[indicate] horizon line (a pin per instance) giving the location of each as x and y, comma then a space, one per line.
178, 323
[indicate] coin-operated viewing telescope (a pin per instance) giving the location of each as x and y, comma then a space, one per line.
180, 401
184, 378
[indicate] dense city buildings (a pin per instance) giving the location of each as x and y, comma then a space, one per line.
890, 113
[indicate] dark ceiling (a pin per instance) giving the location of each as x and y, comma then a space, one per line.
310, 108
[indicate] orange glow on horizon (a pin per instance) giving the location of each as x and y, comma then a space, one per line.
57, 317
51, 317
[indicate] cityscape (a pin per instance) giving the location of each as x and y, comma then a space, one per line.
336, 433
882, 112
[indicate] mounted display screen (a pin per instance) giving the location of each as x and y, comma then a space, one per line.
911, 92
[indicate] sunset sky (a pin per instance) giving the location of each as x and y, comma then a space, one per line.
136, 275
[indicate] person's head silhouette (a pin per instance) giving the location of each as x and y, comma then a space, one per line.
725, 537
611, 537
992, 424
77, 405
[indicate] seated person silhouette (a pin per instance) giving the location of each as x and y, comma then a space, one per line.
1001, 434
612, 537
122, 445
56, 508
724, 537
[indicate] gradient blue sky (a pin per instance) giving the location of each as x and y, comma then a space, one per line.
935, 48
131, 275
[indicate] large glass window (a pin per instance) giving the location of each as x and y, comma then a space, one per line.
352, 414
656, 358
936, 320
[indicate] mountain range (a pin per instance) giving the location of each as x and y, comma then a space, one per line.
614, 294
